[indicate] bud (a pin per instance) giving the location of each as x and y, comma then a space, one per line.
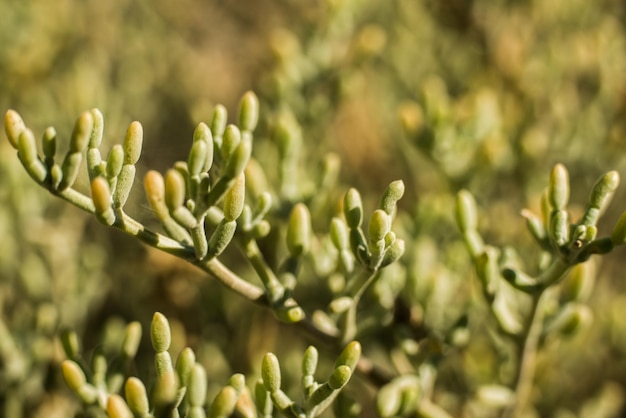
285, 404
97, 130
184, 364
132, 339
398, 397
288, 136
13, 126
261, 230
350, 355
558, 188
393, 253
197, 388
27, 152
358, 245
56, 175
248, 112
535, 226
101, 196
133, 143
466, 214
70, 343
559, 227
353, 208
230, 141
160, 333
117, 408
95, 166
197, 157
238, 160
221, 237
70, 169
115, 161
235, 199
73, 375
203, 133
340, 304
488, 272
379, 225
154, 185
256, 180
339, 234
340, 376
270, 372
600, 197
49, 143
309, 361
237, 381
81, 133
392, 194
289, 312
174, 189
299, 230
136, 396
218, 122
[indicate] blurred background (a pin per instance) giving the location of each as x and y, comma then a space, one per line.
485, 95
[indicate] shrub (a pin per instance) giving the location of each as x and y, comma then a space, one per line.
380, 303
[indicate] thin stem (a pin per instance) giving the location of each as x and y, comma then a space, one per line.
349, 328
554, 273
265, 273
218, 270
525, 372
75, 197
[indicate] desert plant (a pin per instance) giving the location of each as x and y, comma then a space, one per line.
469, 103
216, 198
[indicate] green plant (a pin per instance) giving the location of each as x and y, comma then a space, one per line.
201, 211
215, 198
451, 97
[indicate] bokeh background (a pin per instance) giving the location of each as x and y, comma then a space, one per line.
485, 95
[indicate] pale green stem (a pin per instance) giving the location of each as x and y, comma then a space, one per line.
349, 328
554, 273
134, 228
233, 281
525, 372
529, 341
76, 198
266, 274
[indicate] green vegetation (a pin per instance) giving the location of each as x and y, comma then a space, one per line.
408, 218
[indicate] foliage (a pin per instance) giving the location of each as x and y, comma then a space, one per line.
456, 309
